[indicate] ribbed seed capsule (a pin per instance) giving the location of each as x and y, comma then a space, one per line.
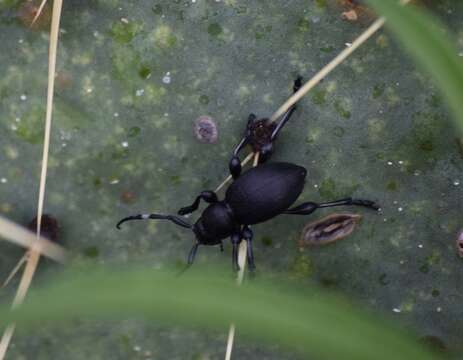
329, 229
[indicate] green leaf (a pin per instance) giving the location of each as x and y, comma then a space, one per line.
273, 311
422, 35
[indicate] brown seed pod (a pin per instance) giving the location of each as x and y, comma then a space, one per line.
49, 227
329, 229
355, 10
128, 197
459, 244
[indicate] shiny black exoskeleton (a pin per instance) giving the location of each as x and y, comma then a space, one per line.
260, 194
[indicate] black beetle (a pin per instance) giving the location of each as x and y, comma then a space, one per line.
260, 194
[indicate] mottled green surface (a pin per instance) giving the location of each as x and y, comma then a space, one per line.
122, 143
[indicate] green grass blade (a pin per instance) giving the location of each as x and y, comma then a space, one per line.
422, 36
275, 312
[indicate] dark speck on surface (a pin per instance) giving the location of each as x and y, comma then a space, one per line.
49, 227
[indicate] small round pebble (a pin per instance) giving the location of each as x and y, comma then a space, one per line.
205, 130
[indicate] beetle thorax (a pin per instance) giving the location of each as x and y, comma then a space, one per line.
215, 224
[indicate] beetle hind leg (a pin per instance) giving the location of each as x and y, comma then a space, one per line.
309, 207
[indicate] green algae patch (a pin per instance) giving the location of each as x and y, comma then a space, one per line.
378, 90
342, 108
214, 29
303, 24
163, 37
302, 267
124, 32
31, 126
330, 190
319, 96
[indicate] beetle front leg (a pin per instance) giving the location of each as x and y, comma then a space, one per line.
247, 235
235, 163
207, 196
287, 115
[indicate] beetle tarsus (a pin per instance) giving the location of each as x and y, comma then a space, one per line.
247, 236
367, 203
297, 83
235, 239
192, 254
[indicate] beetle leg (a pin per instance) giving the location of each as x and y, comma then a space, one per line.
235, 163
207, 196
309, 207
192, 254
287, 115
247, 235
235, 166
235, 239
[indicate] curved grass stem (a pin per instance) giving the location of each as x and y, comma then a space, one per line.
34, 256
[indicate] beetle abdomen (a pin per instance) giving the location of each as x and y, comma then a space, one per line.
265, 191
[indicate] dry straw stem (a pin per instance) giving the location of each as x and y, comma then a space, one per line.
34, 255
242, 263
39, 11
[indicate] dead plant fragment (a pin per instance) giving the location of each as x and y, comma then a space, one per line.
35, 15
328, 229
356, 10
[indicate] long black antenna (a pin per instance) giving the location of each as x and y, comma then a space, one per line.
175, 219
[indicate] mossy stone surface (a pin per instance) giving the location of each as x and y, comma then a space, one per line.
132, 78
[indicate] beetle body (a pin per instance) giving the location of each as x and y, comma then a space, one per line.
255, 196
265, 191
247, 201
258, 195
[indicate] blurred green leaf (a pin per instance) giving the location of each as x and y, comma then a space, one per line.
272, 311
422, 35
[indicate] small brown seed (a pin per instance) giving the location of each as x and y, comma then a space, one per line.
350, 15
329, 229
128, 197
